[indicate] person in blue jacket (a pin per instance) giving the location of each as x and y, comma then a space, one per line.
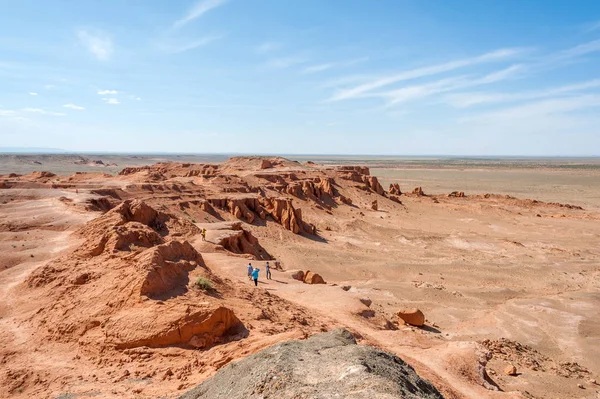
255, 276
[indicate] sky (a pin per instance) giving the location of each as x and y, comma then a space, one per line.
386, 77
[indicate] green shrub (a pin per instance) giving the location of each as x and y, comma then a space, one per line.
203, 283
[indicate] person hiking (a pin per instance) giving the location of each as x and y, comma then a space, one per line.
250, 269
268, 270
255, 276
203, 233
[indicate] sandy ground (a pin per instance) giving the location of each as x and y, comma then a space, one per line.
479, 268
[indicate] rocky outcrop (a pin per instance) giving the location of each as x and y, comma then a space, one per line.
329, 365
418, 191
265, 164
280, 209
298, 275
166, 268
200, 328
345, 200
360, 175
131, 224
395, 199
395, 189
239, 241
283, 212
313, 278
374, 205
458, 194
412, 316
132, 170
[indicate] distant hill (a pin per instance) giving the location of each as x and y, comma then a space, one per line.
31, 150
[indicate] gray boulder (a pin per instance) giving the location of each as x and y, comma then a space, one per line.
325, 366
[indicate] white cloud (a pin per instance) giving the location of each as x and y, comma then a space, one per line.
410, 93
42, 112
341, 64
286, 62
73, 106
464, 100
180, 48
579, 50
107, 92
33, 94
49, 87
197, 11
594, 26
112, 101
317, 68
7, 112
97, 43
268, 47
537, 109
357, 91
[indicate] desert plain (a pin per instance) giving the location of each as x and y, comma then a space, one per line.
100, 259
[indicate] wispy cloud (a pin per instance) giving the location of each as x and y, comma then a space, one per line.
107, 92
111, 101
537, 109
33, 94
97, 43
75, 107
42, 112
317, 68
493, 56
415, 92
340, 64
180, 48
268, 47
286, 62
594, 26
576, 51
49, 87
7, 112
199, 9
464, 100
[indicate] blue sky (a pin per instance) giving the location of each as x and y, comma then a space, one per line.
502, 77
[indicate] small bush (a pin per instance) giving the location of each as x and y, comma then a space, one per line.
193, 220
5, 202
203, 283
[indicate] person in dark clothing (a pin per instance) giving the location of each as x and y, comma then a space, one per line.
268, 270
255, 276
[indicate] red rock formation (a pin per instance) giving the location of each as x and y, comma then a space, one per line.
412, 316
458, 194
199, 329
313, 278
395, 189
166, 267
361, 175
280, 209
240, 241
418, 191
265, 164
299, 275
395, 199
374, 205
345, 200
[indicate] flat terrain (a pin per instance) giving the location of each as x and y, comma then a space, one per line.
509, 278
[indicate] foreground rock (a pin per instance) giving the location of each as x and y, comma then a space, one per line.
328, 365
412, 316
